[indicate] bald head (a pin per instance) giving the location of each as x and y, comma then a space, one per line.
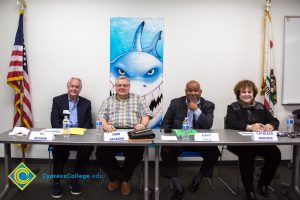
193, 91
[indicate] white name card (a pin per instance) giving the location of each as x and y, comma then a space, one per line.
66, 112
264, 136
37, 135
206, 137
115, 136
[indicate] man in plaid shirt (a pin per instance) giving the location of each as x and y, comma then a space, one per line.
123, 110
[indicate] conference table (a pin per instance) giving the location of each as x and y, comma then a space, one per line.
231, 137
90, 138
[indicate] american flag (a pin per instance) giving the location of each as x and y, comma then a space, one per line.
268, 86
18, 79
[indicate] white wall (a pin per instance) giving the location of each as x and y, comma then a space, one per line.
216, 42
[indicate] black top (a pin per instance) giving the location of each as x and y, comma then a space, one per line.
61, 103
177, 111
239, 116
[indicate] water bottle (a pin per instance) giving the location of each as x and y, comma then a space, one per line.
290, 124
99, 129
185, 129
66, 127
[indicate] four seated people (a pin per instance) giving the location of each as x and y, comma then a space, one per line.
126, 110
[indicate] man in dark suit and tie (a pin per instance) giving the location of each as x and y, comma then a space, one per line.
200, 116
79, 111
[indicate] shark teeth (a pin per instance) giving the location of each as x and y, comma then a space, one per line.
154, 99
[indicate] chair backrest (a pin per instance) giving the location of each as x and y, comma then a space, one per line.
225, 125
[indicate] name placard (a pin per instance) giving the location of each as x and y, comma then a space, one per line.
37, 135
115, 136
206, 137
264, 136
66, 112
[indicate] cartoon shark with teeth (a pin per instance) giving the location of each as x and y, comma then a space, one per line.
144, 69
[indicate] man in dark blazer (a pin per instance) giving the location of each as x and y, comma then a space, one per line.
200, 116
78, 109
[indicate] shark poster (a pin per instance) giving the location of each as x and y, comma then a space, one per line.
136, 51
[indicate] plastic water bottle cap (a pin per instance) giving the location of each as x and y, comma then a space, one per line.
98, 123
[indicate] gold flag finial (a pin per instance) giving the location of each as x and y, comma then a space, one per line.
268, 4
22, 5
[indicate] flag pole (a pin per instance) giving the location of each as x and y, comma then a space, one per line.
268, 4
263, 81
22, 6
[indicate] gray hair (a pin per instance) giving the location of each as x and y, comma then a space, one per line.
74, 78
122, 78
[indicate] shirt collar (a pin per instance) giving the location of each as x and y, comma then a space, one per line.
122, 99
70, 100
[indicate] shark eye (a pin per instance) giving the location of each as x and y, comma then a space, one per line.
150, 72
121, 71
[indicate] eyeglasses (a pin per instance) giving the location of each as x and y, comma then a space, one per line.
123, 85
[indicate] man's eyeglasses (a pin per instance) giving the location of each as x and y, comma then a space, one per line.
122, 85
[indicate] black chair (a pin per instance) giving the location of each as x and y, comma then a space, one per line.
121, 155
50, 150
186, 154
256, 175
234, 192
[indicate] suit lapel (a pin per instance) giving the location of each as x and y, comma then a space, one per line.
184, 106
79, 112
66, 102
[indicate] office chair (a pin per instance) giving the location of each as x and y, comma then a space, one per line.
120, 156
193, 154
234, 192
256, 175
50, 150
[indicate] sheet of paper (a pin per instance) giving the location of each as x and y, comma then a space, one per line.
179, 132
19, 131
55, 131
249, 133
168, 137
245, 133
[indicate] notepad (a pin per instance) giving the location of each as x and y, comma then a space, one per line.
77, 131
168, 137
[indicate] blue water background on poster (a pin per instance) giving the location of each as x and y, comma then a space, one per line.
122, 32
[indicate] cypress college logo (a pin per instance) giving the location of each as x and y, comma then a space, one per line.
22, 176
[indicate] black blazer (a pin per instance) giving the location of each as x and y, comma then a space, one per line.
239, 116
177, 111
61, 103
